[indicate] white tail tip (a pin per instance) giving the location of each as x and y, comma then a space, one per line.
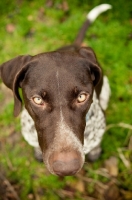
95, 12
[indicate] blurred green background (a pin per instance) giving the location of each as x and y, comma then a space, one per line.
32, 27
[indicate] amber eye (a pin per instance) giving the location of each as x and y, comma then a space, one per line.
38, 100
81, 98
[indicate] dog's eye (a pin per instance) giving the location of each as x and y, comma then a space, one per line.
38, 100
82, 97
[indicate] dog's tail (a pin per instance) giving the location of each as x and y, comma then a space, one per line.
91, 17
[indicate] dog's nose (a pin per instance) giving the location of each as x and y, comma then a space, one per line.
61, 168
66, 163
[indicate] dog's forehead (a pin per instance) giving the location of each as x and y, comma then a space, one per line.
56, 68
63, 62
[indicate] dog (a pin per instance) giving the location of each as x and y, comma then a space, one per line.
64, 95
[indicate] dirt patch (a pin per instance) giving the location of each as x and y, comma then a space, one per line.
8, 190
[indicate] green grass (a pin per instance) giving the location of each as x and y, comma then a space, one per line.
38, 28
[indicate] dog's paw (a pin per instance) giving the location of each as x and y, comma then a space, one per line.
94, 154
38, 154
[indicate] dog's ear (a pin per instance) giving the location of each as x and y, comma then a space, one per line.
9, 71
96, 72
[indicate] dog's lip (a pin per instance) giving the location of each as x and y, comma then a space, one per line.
71, 174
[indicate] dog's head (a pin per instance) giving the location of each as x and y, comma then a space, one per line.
57, 90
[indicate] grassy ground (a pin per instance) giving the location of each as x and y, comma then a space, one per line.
31, 27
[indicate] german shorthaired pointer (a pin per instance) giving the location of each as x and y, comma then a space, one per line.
64, 95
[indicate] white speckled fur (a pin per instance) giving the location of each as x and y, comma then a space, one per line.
95, 126
105, 94
28, 129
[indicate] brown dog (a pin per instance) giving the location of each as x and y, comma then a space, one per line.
57, 89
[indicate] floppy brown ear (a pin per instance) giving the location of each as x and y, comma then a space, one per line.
9, 71
96, 72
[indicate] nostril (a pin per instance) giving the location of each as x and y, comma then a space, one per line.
66, 168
